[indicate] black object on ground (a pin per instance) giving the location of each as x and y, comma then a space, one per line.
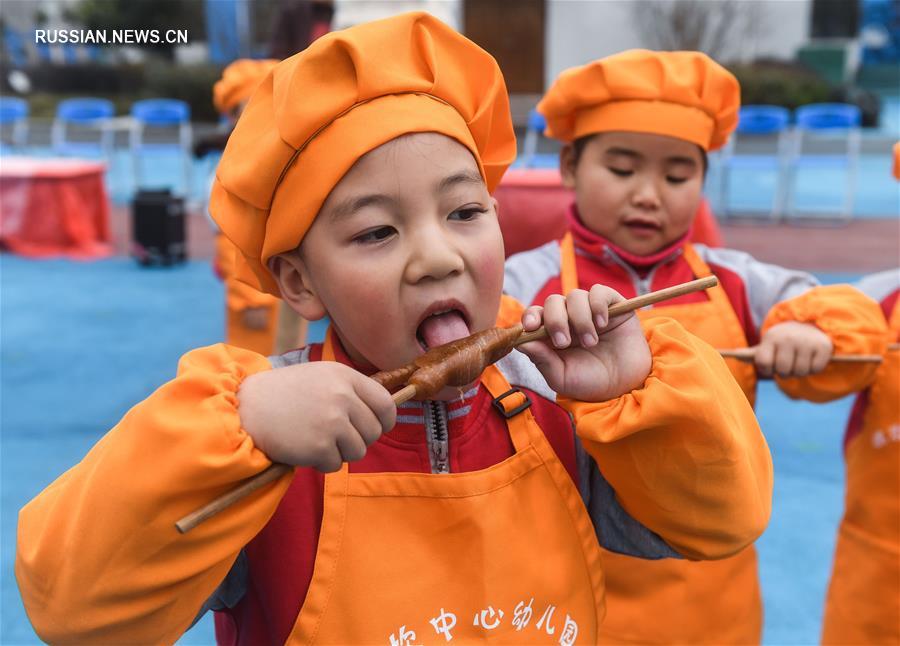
158, 228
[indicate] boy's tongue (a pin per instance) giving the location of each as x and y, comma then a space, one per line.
443, 328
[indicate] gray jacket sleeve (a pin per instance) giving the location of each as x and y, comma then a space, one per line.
879, 286
526, 273
766, 285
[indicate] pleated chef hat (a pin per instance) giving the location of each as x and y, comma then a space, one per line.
238, 81
686, 95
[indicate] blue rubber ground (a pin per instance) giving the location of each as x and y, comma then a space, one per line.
83, 342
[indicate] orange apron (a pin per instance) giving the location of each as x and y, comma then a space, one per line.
507, 554
236, 332
259, 341
863, 603
670, 600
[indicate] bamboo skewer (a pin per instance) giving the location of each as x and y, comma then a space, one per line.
406, 393
748, 355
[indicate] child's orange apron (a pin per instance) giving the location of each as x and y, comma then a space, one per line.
507, 554
863, 604
671, 600
261, 341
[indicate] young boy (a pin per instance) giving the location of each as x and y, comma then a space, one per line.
862, 606
371, 204
636, 128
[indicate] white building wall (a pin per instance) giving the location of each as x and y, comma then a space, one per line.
578, 31
352, 12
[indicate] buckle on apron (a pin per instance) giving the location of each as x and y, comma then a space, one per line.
501, 408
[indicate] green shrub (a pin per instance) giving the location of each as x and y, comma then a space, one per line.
122, 84
779, 83
191, 83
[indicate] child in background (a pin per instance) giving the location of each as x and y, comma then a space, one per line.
863, 603
372, 205
637, 127
251, 316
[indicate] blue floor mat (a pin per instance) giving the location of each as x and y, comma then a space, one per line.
83, 342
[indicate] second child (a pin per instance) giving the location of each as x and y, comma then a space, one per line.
636, 129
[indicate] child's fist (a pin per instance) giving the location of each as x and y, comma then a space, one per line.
586, 355
793, 349
318, 414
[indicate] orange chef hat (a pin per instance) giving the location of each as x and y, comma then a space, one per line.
349, 92
686, 95
238, 81
897, 160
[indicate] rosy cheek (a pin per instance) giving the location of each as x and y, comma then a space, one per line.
489, 269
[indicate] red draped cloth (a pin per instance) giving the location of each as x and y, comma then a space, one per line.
533, 204
54, 207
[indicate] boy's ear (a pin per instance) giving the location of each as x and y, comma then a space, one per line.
567, 165
293, 280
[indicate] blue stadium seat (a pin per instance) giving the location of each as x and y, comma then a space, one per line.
826, 125
762, 123
85, 114
161, 115
14, 116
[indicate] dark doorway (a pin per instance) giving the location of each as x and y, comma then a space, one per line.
513, 31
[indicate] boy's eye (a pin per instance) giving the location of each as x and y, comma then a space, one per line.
621, 172
467, 214
374, 235
676, 180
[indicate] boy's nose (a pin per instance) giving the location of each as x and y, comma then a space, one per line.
433, 257
646, 195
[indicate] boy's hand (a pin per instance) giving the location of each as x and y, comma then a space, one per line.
793, 349
586, 356
255, 318
317, 415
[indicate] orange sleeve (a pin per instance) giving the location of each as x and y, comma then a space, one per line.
238, 295
855, 324
98, 558
684, 453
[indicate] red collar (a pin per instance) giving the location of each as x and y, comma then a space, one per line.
597, 245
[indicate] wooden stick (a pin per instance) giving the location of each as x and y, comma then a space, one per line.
406, 393
748, 355
638, 302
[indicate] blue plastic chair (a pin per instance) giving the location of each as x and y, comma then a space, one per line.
758, 122
15, 47
824, 121
530, 156
160, 115
14, 115
42, 49
83, 113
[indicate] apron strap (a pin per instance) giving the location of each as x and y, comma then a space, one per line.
568, 276
509, 404
701, 270
514, 406
716, 294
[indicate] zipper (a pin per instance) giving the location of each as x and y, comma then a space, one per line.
436, 431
